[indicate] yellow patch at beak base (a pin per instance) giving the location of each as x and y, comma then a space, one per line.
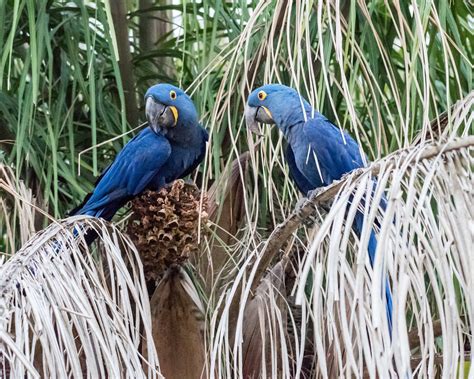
175, 114
267, 111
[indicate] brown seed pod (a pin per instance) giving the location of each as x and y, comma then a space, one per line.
164, 226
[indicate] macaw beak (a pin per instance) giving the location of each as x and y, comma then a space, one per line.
160, 117
254, 115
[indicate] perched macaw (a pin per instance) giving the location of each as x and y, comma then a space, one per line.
170, 147
317, 153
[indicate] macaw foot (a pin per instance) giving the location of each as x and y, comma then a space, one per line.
308, 212
188, 183
311, 193
307, 219
311, 220
324, 205
185, 183
300, 203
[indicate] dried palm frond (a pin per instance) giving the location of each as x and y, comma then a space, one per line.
227, 212
66, 311
264, 344
248, 329
424, 237
18, 210
178, 323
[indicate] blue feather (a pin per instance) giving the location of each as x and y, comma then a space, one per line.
371, 248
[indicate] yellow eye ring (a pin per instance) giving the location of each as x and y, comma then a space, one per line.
262, 95
173, 95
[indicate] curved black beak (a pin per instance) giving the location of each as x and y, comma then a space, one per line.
160, 117
254, 115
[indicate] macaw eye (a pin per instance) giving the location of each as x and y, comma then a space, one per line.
173, 95
262, 95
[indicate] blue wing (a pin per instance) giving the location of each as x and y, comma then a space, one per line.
133, 168
200, 157
301, 182
327, 154
99, 178
182, 161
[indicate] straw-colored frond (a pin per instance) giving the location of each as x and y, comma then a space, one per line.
18, 210
178, 326
66, 311
423, 237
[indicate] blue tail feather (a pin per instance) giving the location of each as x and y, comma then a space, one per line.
90, 235
372, 247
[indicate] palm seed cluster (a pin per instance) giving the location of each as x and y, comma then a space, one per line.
165, 226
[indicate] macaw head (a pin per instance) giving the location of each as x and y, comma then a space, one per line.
275, 104
169, 110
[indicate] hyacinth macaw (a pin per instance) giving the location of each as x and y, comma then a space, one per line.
170, 147
317, 153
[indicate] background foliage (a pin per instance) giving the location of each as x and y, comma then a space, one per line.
63, 91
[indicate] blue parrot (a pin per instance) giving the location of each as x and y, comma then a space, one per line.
170, 147
317, 152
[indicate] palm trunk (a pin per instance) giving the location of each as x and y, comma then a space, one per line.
119, 15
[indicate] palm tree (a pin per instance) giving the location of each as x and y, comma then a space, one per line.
258, 283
